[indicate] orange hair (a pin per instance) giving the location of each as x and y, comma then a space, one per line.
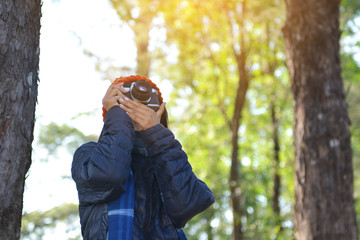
132, 78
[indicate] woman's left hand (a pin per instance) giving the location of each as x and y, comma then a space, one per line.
143, 116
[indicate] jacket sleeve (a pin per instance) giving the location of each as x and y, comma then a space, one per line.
100, 169
184, 194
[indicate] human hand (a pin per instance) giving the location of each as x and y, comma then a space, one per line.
113, 95
142, 116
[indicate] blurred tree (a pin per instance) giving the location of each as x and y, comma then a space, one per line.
208, 37
351, 75
324, 204
36, 224
19, 63
192, 28
350, 11
139, 16
350, 46
239, 11
53, 136
272, 64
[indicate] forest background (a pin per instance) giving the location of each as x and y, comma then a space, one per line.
191, 54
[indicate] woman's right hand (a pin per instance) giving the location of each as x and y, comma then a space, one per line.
113, 95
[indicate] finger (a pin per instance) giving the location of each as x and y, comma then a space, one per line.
119, 93
117, 99
134, 105
132, 112
120, 87
109, 90
141, 107
113, 90
161, 110
125, 108
110, 99
135, 118
118, 84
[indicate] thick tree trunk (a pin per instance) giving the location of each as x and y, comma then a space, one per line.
19, 63
324, 207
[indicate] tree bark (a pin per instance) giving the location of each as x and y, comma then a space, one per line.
324, 206
19, 63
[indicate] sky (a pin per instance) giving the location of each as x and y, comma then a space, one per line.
69, 85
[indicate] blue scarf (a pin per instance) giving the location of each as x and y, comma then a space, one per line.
121, 213
121, 210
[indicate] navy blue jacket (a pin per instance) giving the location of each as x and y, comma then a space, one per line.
167, 192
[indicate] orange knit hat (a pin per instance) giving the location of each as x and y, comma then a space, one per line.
132, 78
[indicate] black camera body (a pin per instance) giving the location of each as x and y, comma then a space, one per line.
143, 92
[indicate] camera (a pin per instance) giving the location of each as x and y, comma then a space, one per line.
142, 91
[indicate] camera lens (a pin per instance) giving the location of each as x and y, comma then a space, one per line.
141, 90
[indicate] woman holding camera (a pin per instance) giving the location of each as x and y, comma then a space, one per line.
136, 181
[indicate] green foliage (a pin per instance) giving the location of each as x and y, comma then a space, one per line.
52, 136
205, 77
350, 11
36, 224
351, 76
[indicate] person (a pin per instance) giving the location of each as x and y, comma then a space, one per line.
135, 182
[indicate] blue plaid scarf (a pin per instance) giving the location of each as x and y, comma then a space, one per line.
121, 213
121, 210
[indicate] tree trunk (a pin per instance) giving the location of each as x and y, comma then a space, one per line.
324, 207
271, 66
235, 184
276, 167
142, 38
209, 230
235, 171
141, 30
141, 25
19, 63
